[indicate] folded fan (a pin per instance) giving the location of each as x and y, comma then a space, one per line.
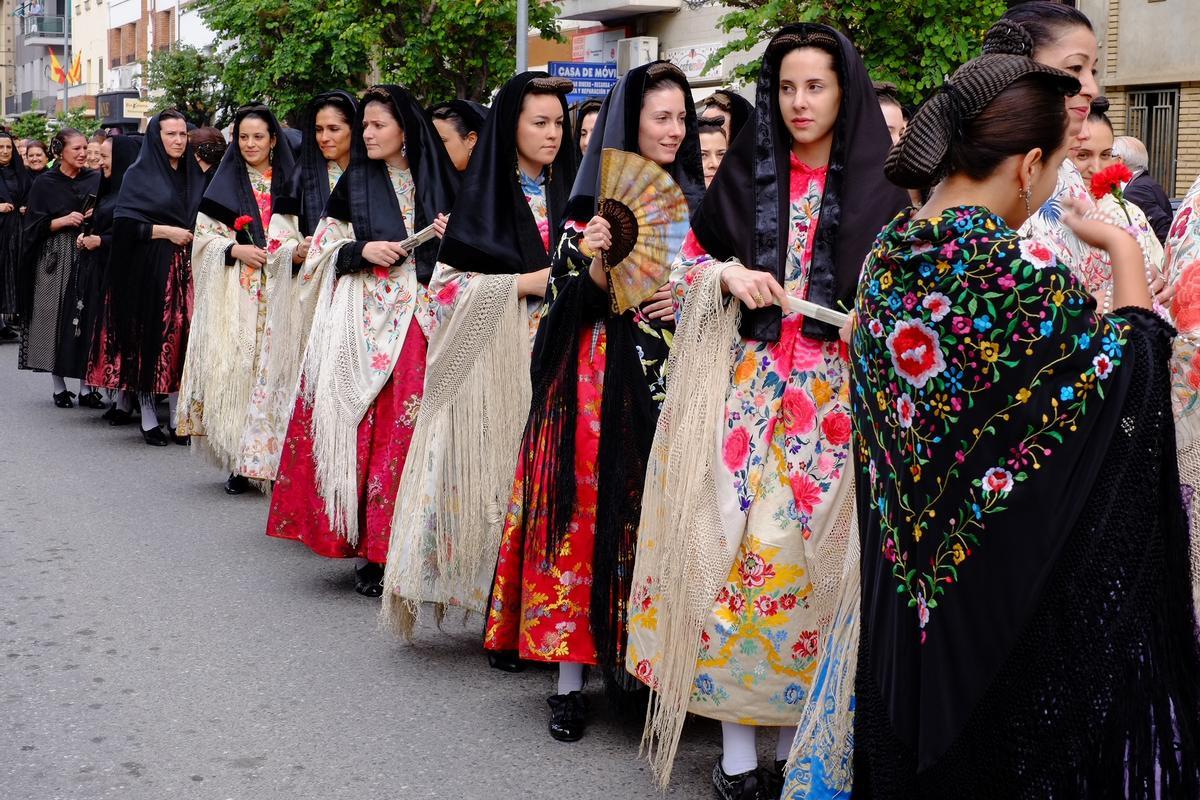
648, 215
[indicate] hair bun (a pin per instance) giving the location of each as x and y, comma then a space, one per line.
1100, 106
57, 145
1007, 38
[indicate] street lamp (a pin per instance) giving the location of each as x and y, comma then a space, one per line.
522, 35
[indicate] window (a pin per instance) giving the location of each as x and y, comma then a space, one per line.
1153, 117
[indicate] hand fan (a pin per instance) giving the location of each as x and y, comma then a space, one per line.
419, 238
649, 218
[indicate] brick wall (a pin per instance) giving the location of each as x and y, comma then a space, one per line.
1187, 159
114, 47
164, 29
128, 37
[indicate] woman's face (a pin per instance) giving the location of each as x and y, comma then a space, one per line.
6, 151
75, 152
173, 133
21, 149
333, 134
457, 147
382, 134
1075, 52
585, 129
93, 155
712, 149
714, 111
894, 117
539, 131
810, 96
106, 158
35, 157
1093, 149
662, 124
255, 142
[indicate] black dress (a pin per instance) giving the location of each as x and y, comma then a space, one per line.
14, 189
51, 262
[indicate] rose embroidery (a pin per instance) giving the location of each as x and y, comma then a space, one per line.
916, 352
905, 409
1036, 253
997, 480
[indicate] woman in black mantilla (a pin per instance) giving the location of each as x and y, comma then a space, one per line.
293, 282
231, 262
1028, 627
14, 187
494, 266
56, 210
598, 380
458, 123
149, 306
585, 121
117, 154
364, 369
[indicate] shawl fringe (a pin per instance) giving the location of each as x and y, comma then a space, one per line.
476, 401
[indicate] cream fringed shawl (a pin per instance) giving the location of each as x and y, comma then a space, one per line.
697, 535
358, 332
222, 345
458, 475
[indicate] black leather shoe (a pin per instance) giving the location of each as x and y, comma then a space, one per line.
368, 579
91, 400
63, 399
505, 661
183, 440
743, 786
237, 484
155, 437
568, 716
9, 334
116, 417
772, 780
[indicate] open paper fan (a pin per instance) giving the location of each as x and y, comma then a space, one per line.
649, 218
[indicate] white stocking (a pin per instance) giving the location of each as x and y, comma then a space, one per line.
738, 751
60, 385
149, 413
570, 677
783, 748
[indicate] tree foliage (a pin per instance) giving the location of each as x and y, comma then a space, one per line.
188, 80
914, 44
40, 127
30, 126
283, 53
461, 48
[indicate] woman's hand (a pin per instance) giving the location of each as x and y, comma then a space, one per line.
180, 237
439, 225
6, 208
1125, 255
1163, 292
533, 284
250, 255
661, 304
597, 235
756, 289
87, 242
384, 254
72, 220
845, 331
301, 251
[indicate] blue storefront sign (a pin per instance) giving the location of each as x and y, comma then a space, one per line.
590, 79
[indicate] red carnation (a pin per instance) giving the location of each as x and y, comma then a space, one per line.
1110, 180
241, 222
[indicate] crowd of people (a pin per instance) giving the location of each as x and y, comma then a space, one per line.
943, 550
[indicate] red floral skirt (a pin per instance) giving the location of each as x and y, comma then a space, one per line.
384, 435
541, 601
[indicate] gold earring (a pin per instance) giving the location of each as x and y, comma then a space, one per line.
1026, 195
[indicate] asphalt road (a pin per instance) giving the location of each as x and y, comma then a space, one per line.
154, 643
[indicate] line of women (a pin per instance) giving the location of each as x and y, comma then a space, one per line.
943, 551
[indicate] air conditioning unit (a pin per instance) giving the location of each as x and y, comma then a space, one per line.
635, 51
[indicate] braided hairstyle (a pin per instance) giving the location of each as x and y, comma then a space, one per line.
59, 143
1028, 27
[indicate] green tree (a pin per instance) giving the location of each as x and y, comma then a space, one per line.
914, 44
78, 119
282, 53
188, 80
460, 48
31, 126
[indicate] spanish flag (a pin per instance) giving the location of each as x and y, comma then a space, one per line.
56, 70
75, 75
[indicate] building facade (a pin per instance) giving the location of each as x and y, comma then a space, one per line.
1150, 71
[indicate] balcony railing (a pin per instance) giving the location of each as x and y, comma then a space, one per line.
43, 27
605, 10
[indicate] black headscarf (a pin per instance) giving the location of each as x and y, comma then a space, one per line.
154, 192
590, 106
14, 178
474, 115
495, 232
307, 192
740, 110
124, 152
857, 203
621, 133
229, 195
364, 195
